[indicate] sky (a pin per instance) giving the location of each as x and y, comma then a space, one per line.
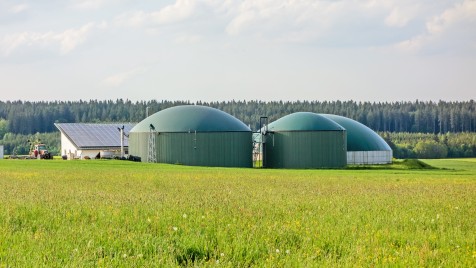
221, 50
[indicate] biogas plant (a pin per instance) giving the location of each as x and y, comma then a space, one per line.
203, 136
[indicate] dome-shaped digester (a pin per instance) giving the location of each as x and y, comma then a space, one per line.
364, 146
192, 135
304, 140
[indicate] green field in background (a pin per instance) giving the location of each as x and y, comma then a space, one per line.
117, 213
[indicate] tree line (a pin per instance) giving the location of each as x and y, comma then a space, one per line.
24, 117
429, 145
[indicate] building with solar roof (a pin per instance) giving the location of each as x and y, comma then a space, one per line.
364, 146
304, 140
192, 135
82, 140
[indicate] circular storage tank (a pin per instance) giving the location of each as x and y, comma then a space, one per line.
192, 135
364, 146
305, 140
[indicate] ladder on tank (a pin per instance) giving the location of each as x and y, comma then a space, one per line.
152, 156
259, 143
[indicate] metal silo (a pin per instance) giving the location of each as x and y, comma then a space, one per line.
305, 140
192, 135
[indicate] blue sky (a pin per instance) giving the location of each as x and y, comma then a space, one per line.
210, 50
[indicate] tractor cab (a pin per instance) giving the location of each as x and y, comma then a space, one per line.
40, 147
39, 150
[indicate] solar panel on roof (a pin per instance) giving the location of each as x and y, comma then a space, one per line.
95, 135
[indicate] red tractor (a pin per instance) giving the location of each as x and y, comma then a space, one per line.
38, 150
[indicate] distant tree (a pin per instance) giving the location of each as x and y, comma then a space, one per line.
430, 149
3, 127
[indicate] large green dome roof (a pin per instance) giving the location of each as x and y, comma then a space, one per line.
359, 136
191, 118
304, 121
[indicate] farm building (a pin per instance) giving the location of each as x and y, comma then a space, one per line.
80, 140
192, 135
364, 146
304, 140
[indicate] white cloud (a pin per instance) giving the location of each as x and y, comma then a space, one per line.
413, 44
279, 17
400, 16
120, 78
182, 9
295, 21
67, 40
88, 4
19, 8
453, 28
465, 11
71, 38
330, 23
179, 11
133, 19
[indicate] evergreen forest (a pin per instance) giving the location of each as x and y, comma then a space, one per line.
413, 129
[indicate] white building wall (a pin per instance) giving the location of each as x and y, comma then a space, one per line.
94, 152
90, 153
1, 152
369, 157
68, 148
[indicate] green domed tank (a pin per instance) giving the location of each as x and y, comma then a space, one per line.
305, 140
193, 135
364, 146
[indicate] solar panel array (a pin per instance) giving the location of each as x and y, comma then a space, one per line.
95, 135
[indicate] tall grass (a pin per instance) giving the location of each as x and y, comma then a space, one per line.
113, 213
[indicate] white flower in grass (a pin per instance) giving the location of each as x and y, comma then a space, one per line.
288, 251
124, 255
277, 250
184, 216
175, 228
222, 254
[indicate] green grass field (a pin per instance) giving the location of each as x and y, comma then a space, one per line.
117, 213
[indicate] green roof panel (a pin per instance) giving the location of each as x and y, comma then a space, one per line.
191, 118
304, 121
359, 136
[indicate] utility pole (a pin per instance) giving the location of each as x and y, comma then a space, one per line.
121, 131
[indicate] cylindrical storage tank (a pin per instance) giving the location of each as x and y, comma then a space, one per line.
305, 140
193, 135
364, 146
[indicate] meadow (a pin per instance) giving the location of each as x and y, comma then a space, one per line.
123, 214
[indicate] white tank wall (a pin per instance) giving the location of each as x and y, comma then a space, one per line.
369, 157
1, 152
